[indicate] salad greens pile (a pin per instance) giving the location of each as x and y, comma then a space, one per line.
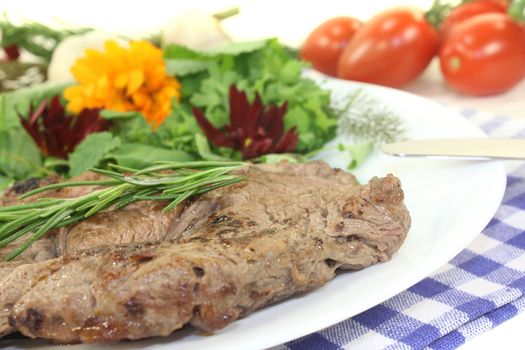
265, 67
259, 67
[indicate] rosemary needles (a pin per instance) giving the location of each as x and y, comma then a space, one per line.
168, 181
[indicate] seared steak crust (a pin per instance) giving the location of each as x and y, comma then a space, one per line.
284, 230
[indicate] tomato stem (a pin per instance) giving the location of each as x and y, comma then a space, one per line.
516, 10
439, 10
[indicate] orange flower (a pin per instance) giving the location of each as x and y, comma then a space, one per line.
124, 79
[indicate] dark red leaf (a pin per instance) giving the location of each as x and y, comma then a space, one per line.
275, 124
36, 114
288, 142
253, 129
235, 108
33, 132
253, 114
57, 133
12, 52
214, 135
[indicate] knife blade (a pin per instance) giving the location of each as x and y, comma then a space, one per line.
468, 148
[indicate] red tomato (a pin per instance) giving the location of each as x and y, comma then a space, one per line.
324, 45
484, 55
469, 10
391, 49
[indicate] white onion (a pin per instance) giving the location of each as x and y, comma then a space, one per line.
73, 48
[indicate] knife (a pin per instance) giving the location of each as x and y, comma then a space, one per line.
474, 148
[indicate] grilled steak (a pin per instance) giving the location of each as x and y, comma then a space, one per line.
284, 230
139, 222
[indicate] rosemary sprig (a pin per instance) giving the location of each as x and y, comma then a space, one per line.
168, 181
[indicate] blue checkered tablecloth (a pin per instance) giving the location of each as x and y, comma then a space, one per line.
479, 289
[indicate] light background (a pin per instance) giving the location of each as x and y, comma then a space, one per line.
291, 21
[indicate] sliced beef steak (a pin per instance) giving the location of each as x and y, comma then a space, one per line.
284, 230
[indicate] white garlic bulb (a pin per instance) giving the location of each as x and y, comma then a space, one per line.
195, 29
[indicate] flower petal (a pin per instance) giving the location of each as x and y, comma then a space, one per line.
253, 129
254, 114
288, 142
237, 104
215, 136
136, 79
108, 79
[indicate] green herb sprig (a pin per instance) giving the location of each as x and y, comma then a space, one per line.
167, 181
366, 119
36, 38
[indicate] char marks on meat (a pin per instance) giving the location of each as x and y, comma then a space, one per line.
138, 273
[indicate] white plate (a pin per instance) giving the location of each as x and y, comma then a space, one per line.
450, 203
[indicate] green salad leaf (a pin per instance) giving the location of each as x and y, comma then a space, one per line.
176, 132
116, 115
139, 155
182, 67
19, 156
273, 158
359, 153
175, 51
5, 182
263, 67
20, 101
91, 151
204, 149
233, 48
236, 47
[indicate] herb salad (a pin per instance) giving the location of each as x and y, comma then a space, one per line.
165, 113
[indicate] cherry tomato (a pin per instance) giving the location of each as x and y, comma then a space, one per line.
391, 49
469, 10
324, 45
484, 55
